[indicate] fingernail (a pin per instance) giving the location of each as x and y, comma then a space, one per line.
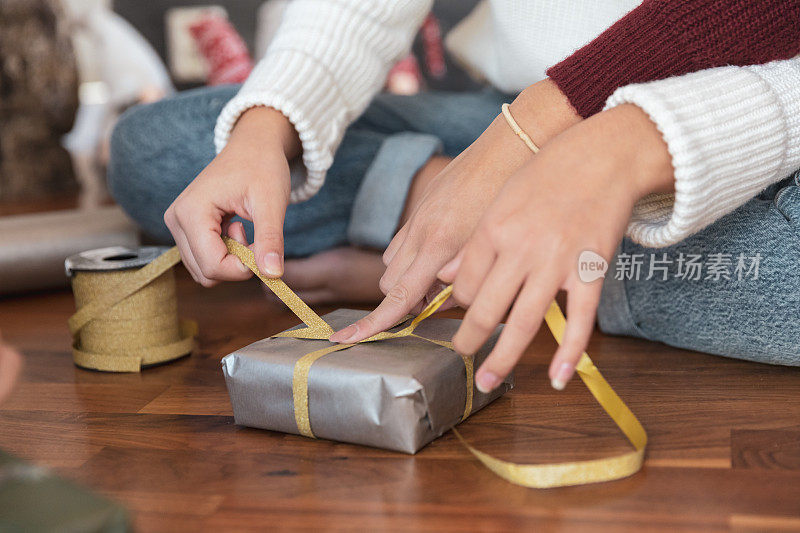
487, 381
272, 264
346, 334
564, 372
243, 267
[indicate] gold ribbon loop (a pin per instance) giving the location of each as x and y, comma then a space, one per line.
577, 472
533, 475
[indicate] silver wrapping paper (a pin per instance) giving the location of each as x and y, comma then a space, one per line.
33, 247
397, 394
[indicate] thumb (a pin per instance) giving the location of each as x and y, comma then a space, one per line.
268, 212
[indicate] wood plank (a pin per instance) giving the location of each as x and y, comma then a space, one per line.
766, 449
191, 400
723, 439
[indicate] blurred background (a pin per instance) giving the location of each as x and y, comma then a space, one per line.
69, 68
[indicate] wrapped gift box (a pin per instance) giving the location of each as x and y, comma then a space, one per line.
398, 394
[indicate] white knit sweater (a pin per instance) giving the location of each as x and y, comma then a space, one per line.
731, 131
330, 57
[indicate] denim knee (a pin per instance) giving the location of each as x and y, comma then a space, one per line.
126, 145
130, 178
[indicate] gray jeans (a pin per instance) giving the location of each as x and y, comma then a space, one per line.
747, 313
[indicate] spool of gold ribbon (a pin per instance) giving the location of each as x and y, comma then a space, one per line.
127, 315
528, 475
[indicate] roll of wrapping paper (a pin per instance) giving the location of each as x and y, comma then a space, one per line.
127, 315
33, 246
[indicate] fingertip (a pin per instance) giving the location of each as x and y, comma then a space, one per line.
271, 264
561, 371
449, 271
486, 380
345, 335
237, 233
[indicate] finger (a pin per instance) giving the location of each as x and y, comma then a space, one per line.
202, 232
475, 265
235, 231
187, 257
582, 304
494, 299
433, 291
398, 266
210, 252
269, 211
395, 245
522, 324
398, 302
183, 247
449, 271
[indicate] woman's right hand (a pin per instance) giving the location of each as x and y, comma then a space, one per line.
455, 201
248, 178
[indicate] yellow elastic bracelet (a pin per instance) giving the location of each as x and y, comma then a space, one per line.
515, 127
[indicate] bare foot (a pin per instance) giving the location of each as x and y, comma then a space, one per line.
352, 274
340, 275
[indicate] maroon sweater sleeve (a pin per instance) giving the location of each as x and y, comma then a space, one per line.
663, 38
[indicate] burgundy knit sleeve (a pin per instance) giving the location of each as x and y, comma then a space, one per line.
663, 38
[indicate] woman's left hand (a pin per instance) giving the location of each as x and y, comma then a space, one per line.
575, 195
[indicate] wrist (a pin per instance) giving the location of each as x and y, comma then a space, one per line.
543, 112
263, 127
637, 143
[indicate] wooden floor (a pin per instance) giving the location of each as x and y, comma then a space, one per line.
724, 452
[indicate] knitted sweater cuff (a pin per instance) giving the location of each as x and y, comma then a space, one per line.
280, 81
731, 131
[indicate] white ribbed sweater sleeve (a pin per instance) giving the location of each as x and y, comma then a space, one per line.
731, 131
326, 62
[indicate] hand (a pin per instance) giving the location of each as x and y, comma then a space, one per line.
249, 178
453, 204
575, 195
10, 363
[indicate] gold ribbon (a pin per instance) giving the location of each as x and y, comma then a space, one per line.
527, 475
319, 329
128, 319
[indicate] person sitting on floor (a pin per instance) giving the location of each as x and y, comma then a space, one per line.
675, 129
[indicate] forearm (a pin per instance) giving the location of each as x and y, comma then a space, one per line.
663, 38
